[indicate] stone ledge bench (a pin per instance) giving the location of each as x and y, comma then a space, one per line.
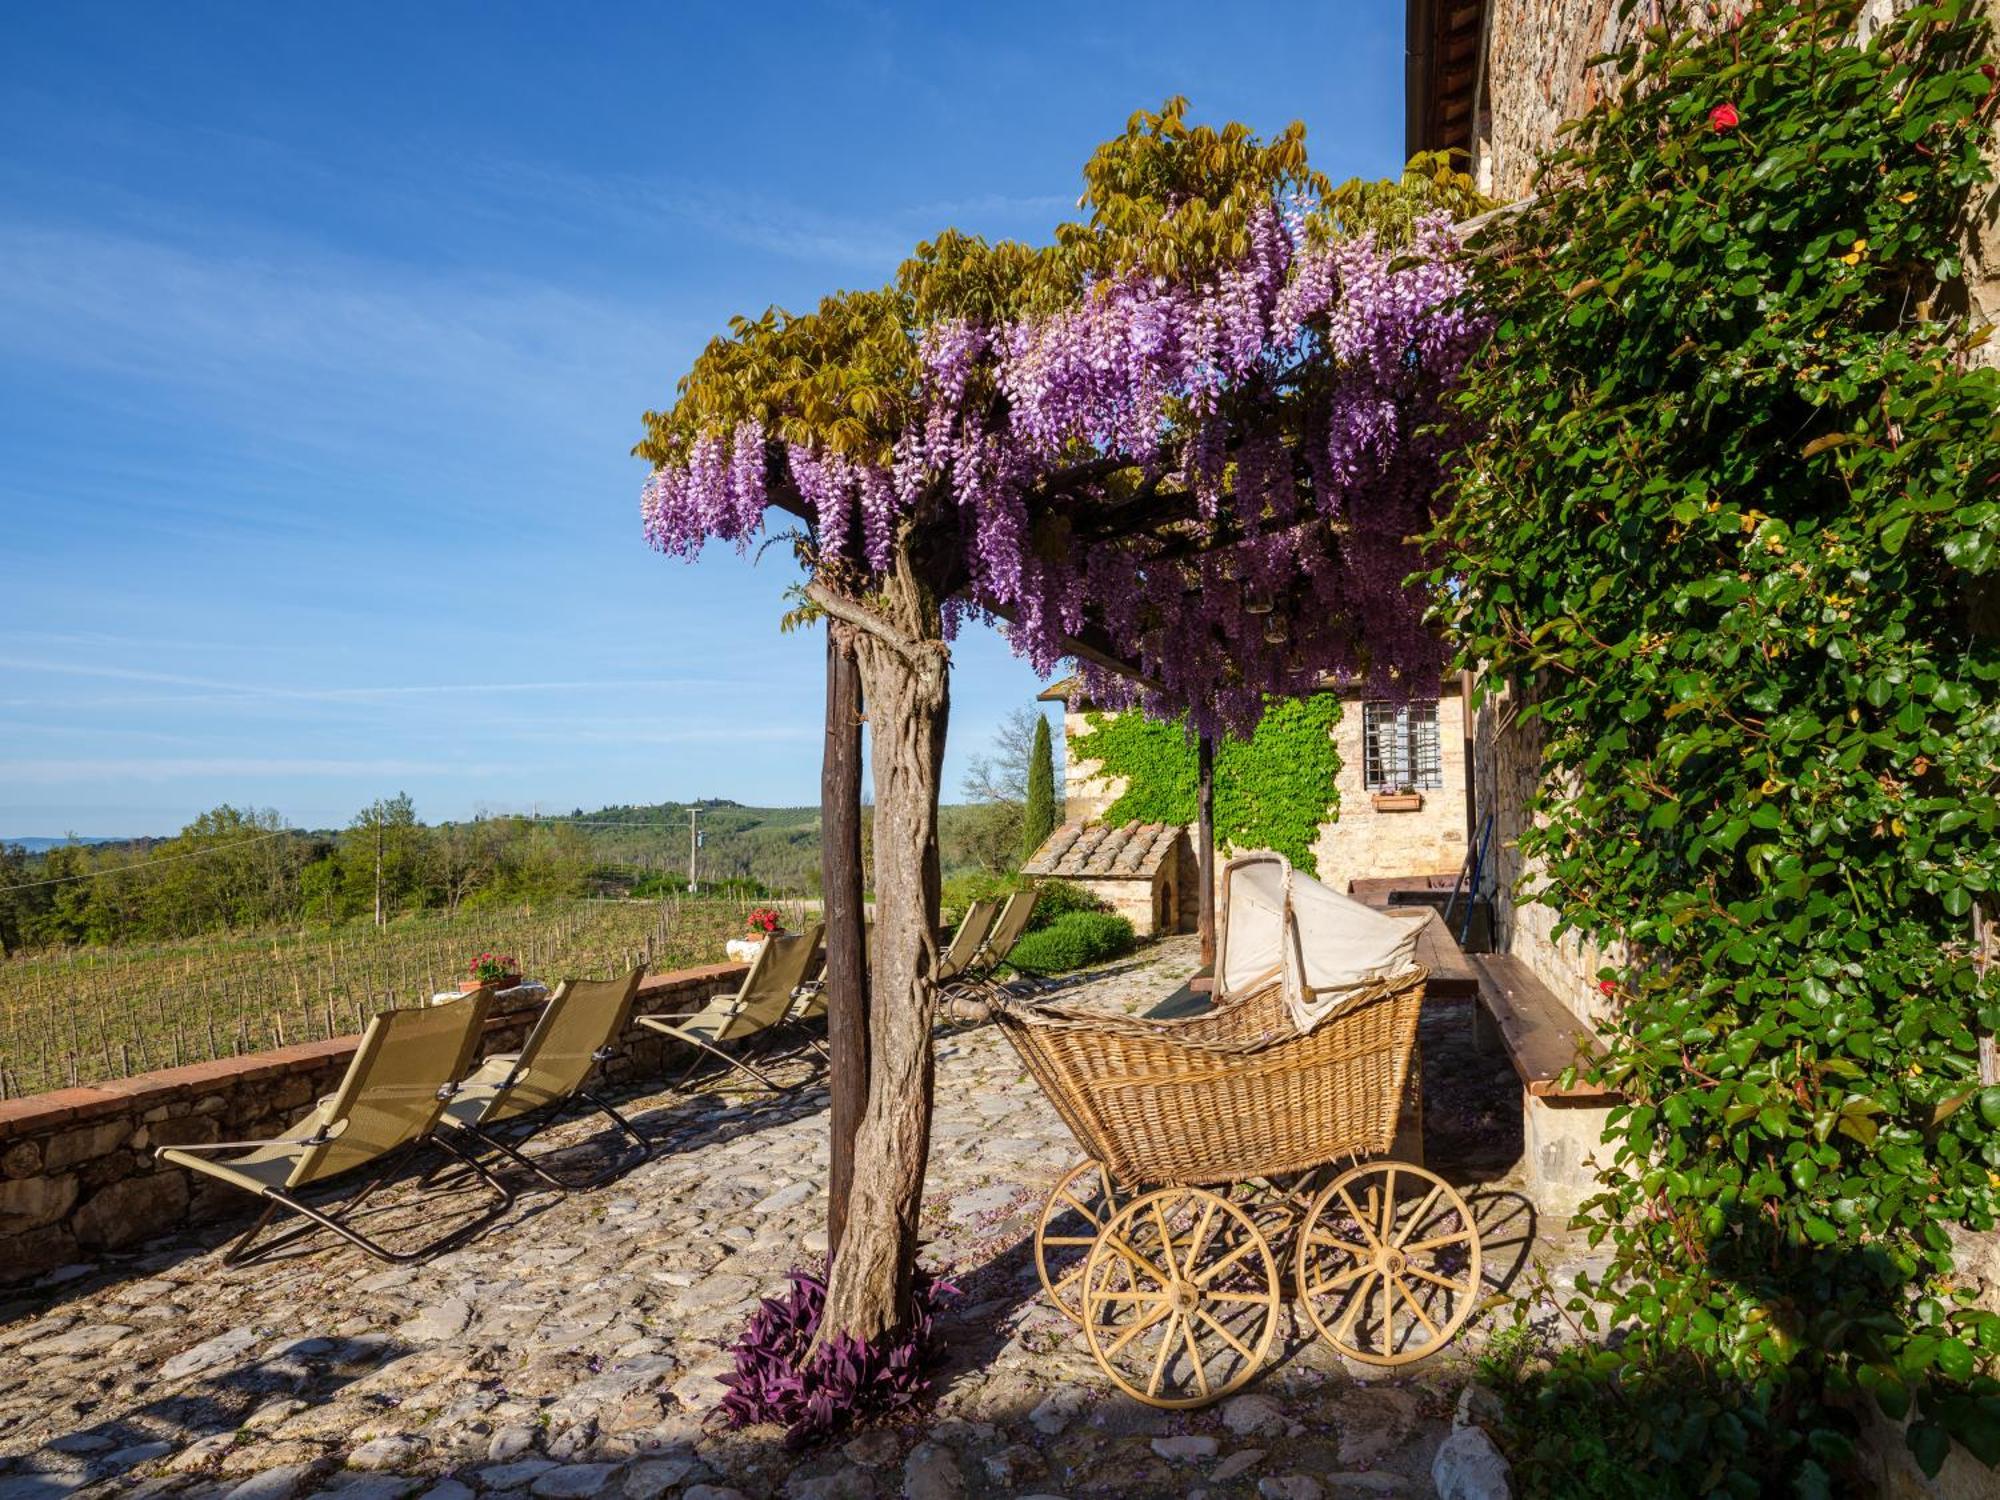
1562, 1128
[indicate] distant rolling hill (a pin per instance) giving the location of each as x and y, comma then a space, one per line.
40, 846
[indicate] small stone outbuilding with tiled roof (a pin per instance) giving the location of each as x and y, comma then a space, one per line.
1135, 868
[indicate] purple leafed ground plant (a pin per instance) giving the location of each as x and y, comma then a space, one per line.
845, 1380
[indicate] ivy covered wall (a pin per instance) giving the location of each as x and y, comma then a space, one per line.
1272, 791
1732, 503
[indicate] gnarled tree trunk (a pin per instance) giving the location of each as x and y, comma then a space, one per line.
905, 679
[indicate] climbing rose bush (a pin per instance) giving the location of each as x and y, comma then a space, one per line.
1731, 527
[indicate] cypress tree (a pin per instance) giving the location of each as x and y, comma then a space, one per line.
1038, 817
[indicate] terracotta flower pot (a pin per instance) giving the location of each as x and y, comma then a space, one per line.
1399, 801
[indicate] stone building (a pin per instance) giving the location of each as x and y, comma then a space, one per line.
1402, 784
1495, 79
1136, 869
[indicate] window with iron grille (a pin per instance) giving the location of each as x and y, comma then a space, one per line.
1399, 747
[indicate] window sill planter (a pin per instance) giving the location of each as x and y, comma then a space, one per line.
1399, 801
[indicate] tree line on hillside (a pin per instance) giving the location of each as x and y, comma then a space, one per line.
236, 869
239, 869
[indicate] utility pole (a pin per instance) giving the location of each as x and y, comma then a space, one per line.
694, 843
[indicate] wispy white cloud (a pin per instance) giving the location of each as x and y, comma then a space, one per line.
51, 771
652, 208
213, 689
686, 734
306, 349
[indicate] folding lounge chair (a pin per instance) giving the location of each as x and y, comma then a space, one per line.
390, 1102
1000, 939
756, 1008
958, 954
516, 1096
967, 942
811, 1003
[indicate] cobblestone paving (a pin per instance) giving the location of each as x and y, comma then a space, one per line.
573, 1350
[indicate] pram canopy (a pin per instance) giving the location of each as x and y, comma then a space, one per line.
1322, 947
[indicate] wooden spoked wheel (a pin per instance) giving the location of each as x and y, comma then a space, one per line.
1388, 1263
1076, 1213
1180, 1298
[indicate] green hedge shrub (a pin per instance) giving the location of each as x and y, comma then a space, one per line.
960, 891
1074, 940
1058, 898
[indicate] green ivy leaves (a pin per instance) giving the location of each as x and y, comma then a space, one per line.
1272, 791
1727, 525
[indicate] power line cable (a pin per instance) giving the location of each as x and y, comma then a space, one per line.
147, 864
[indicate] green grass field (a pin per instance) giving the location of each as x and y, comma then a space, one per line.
89, 1014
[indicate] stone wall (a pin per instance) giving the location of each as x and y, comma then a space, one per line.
1982, 258
77, 1172
1152, 905
1534, 78
1361, 841
1506, 768
1087, 791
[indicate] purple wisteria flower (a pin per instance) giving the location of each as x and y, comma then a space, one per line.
1298, 396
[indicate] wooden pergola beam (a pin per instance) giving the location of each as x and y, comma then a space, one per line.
840, 886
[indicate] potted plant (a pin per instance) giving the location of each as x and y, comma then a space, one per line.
495, 969
1405, 798
762, 923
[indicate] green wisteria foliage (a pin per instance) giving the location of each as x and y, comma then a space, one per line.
1731, 532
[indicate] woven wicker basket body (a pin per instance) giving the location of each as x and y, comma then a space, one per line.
1233, 1094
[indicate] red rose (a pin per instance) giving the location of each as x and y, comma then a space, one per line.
1609, 986
1724, 117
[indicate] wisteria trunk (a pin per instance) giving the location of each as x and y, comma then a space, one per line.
906, 684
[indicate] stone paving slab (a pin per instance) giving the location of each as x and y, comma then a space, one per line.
574, 1349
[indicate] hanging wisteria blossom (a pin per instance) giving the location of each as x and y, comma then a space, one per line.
1217, 472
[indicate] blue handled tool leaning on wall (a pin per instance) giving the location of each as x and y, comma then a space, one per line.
1469, 875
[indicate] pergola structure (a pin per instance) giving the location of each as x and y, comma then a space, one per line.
1190, 446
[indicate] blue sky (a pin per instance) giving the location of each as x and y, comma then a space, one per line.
325, 332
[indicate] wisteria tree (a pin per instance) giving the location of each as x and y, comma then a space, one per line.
1188, 443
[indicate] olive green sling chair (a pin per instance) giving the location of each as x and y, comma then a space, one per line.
515, 1096
389, 1103
978, 976
755, 1009
812, 994
962, 968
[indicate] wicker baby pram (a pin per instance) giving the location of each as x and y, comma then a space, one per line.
1218, 1145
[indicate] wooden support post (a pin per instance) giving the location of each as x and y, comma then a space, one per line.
1205, 844
840, 892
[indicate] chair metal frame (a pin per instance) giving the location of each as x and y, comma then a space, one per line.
765, 1033
508, 1136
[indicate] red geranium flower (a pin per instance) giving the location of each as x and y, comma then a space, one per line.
1724, 117
1609, 986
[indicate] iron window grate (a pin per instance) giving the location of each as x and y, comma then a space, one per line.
1400, 747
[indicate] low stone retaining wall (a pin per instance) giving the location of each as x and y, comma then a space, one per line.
77, 1171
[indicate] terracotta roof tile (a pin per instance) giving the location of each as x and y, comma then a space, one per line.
1096, 851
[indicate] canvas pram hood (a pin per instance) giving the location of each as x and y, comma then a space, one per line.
1281, 927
